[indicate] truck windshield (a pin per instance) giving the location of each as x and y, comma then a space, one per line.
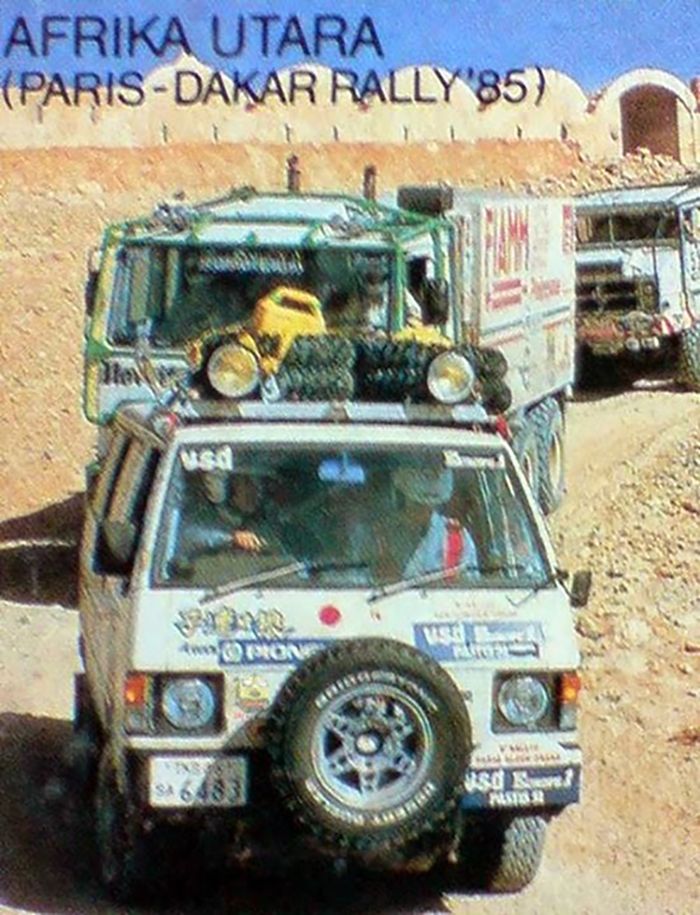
634, 225
345, 518
173, 294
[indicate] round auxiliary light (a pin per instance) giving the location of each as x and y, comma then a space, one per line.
233, 371
523, 700
188, 703
450, 378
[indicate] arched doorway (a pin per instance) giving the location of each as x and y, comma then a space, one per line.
649, 118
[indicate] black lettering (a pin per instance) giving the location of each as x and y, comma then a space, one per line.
51, 32
87, 83
216, 87
447, 84
349, 86
181, 79
30, 81
244, 84
372, 86
302, 81
90, 30
56, 88
132, 83
234, 50
418, 89
20, 37
330, 29
175, 37
367, 37
137, 36
293, 37
117, 37
393, 91
265, 31
273, 86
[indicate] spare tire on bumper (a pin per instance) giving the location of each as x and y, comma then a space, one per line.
369, 742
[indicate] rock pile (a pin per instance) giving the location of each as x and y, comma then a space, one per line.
638, 168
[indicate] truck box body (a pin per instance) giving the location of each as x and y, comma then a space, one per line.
516, 258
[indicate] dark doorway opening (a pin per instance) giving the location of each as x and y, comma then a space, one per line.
649, 116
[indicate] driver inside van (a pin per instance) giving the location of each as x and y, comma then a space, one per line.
231, 513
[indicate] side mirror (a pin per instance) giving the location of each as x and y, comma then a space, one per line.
94, 260
120, 539
580, 589
436, 300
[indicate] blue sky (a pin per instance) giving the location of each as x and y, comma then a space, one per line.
592, 41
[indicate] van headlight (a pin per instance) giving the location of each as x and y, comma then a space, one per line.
450, 377
188, 703
233, 370
523, 700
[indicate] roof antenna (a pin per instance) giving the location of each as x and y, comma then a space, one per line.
369, 182
293, 175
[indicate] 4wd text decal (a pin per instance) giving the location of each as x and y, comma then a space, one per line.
487, 641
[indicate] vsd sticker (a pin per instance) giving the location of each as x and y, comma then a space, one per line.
487, 641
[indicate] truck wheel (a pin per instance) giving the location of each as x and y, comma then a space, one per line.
84, 748
121, 843
689, 358
526, 450
513, 852
550, 435
498, 853
369, 740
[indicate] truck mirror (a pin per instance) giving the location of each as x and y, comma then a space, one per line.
94, 260
580, 588
436, 301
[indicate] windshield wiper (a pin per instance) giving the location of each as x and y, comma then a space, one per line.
558, 576
290, 568
403, 584
247, 581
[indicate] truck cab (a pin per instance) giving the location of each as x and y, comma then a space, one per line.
339, 632
638, 276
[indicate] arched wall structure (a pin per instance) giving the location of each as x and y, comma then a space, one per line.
641, 108
644, 108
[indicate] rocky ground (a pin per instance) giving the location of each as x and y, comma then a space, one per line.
632, 514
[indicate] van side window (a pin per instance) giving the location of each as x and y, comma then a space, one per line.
122, 523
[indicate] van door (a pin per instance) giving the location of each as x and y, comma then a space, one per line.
113, 532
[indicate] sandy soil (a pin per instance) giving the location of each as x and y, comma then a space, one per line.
632, 514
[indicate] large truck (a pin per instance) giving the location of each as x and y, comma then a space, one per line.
638, 281
445, 296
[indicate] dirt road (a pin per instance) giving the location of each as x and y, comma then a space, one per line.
632, 514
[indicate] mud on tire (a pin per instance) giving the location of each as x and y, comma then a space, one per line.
369, 741
689, 358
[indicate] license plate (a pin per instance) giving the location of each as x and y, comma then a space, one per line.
197, 781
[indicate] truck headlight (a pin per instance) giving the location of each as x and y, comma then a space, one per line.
188, 703
450, 377
523, 700
233, 370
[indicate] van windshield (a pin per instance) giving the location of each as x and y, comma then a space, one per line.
345, 518
172, 294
